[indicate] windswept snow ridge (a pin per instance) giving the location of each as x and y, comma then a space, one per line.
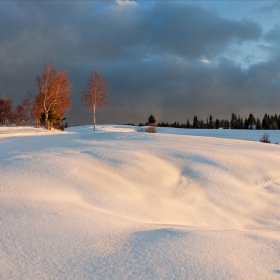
120, 204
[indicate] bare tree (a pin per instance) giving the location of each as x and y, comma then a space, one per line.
18, 114
95, 95
53, 94
21, 112
265, 138
6, 110
36, 109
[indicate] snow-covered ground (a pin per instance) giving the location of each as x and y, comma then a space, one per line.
120, 204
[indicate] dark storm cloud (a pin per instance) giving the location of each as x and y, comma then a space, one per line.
193, 31
179, 91
151, 57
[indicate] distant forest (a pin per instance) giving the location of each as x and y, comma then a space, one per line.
23, 114
235, 122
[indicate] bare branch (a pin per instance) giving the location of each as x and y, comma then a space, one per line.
96, 94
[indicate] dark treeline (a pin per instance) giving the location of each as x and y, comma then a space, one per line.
24, 113
235, 122
10, 114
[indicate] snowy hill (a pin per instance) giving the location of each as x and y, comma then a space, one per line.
121, 204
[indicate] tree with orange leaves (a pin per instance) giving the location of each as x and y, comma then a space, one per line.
6, 110
36, 109
95, 95
53, 95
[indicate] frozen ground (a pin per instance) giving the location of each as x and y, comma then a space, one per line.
120, 204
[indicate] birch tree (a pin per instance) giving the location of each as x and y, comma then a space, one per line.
53, 93
95, 95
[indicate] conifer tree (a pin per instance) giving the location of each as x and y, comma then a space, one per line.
265, 121
233, 121
241, 123
201, 124
188, 125
273, 122
251, 120
217, 124
151, 120
211, 124
278, 121
258, 124
246, 124
195, 122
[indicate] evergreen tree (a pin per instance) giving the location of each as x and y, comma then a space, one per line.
246, 124
265, 121
211, 124
274, 125
195, 122
202, 124
251, 121
152, 120
273, 122
258, 124
53, 119
237, 123
233, 121
241, 123
217, 123
188, 125
225, 124
278, 121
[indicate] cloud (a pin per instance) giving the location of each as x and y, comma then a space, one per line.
193, 31
268, 8
113, 34
273, 35
126, 2
156, 59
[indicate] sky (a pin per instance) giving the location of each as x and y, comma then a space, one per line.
172, 59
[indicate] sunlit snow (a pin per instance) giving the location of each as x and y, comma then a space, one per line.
121, 204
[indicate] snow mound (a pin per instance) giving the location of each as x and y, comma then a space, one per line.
15, 131
119, 204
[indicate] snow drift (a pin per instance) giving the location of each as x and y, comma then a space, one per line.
120, 204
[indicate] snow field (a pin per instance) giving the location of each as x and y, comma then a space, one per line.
120, 204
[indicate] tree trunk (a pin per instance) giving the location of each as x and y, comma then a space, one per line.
47, 121
94, 118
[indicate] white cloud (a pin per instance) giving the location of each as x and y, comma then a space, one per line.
126, 3
208, 62
205, 61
